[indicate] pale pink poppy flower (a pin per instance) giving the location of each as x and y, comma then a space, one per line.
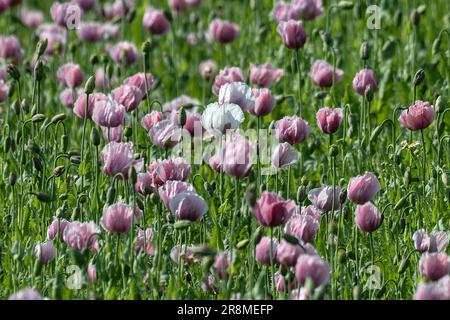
188, 205
313, 267
322, 74
367, 217
271, 210
171, 188
227, 75
362, 189
265, 75
284, 155
292, 33
418, 116
292, 129
117, 218
155, 21
262, 250
223, 31
117, 157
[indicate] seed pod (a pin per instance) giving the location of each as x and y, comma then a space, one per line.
182, 116
333, 228
301, 194
89, 87
58, 171
146, 48
364, 51
419, 77
341, 256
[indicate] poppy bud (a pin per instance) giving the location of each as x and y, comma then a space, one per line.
38, 164
419, 77
242, 244
75, 160
415, 17
368, 93
436, 48
345, 5
364, 51
59, 117
326, 38
58, 171
13, 72
95, 137
320, 95
439, 105
12, 179
250, 195
41, 47
94, 59
7, 144
90, 85
128, 132
356, 292
343, 196
39, 71
33, 147
43, 197
146, 48
301, 194
132, 175
64, 142
111, 195
39, 117
334, 150
182, 224
388, 49
182, 116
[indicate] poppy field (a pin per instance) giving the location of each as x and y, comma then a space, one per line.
224, 149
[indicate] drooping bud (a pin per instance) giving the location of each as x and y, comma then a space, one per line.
364, 51
419, 77
90, 85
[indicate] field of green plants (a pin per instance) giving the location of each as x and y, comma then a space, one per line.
225, 149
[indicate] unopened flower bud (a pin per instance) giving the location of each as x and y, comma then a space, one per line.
419, 77
364, 51
90, 85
